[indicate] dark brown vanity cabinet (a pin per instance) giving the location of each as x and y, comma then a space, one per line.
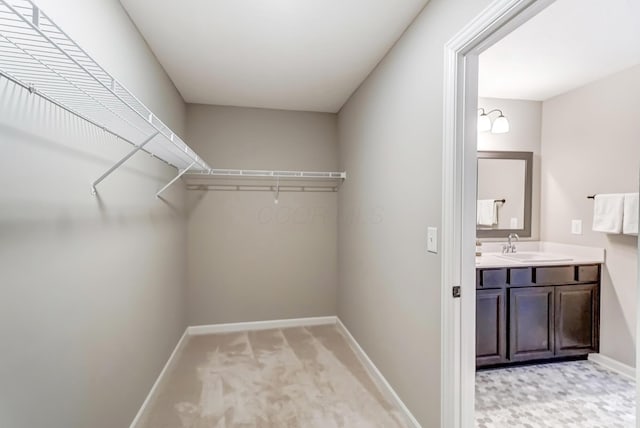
536, 313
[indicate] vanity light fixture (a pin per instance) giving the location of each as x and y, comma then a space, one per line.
499, 126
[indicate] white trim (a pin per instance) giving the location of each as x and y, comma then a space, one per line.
260, 325
377, 376
458, 201
637, 376
614, 365
172, 359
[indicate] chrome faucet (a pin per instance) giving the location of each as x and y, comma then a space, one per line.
510, 247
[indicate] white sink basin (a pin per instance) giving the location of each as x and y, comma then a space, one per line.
525, 257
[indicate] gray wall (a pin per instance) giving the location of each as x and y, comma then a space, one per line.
250, 259
525, 120
92, 289
591, 144
391, 146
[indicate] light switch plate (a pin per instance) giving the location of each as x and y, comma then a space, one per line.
576, 227
432, 240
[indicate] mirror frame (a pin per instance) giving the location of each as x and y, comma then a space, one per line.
525, 232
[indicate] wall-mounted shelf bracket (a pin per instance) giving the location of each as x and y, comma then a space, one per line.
120, 162
175, 179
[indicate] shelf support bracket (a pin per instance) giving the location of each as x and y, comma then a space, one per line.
175, 179
120, 162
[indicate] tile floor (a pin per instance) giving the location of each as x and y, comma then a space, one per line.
578, 394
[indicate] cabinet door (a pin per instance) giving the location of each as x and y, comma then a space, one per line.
531, 323
576, 312
491, 335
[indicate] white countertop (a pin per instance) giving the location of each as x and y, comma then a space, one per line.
579, 255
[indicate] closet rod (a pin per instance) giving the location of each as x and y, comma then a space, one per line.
248, 188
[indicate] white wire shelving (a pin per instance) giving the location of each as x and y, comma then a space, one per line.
38, 55
255, 173
251, 179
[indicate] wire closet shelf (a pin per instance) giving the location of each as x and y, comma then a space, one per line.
38, 55
254, 173
250, 179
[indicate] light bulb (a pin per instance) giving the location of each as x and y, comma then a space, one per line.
500, 125
484, 123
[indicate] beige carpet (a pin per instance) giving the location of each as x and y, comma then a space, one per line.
297, 377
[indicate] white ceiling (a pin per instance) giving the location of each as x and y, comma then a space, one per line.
283, 54
569, 44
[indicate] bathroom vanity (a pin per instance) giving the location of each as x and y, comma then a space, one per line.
530, 307
534, 300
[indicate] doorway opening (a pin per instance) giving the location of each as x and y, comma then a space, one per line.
542, 292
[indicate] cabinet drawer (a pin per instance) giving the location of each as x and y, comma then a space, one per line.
588, 273
491, 278
520, 276
555, 275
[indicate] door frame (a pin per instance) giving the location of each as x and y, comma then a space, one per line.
459, 200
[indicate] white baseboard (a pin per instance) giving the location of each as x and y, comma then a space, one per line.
377, 376
260, 325
172, 359
614, 365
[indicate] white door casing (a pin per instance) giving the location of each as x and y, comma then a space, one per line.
459, 200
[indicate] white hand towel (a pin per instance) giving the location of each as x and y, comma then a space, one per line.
631, 216
607, 213
487, 213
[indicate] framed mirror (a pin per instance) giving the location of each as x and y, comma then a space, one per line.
504, 194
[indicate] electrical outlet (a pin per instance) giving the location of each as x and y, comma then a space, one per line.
576, 227
514, 223
432, 240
